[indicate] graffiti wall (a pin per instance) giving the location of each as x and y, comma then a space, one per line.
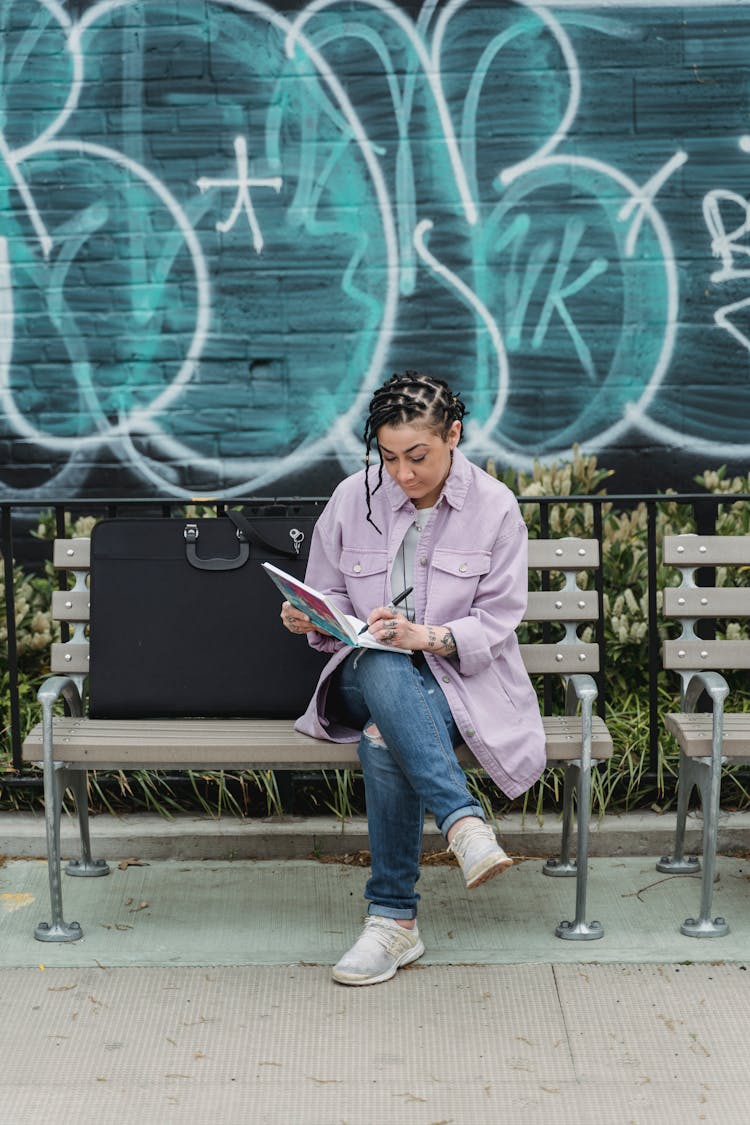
223, 222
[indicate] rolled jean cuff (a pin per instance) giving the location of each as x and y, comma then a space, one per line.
458, 814
392, 911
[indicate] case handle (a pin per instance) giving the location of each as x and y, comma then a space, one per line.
191, 538
246, 531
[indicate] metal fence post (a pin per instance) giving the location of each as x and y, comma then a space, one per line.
6, 537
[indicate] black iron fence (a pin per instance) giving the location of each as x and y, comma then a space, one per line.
547, 515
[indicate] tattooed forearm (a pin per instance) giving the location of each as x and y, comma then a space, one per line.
448, 643
441, 640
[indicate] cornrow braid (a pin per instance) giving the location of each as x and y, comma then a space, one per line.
403, 399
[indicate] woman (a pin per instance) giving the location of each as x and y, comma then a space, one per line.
435, 522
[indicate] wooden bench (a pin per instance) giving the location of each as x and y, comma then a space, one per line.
69, 746
707, 741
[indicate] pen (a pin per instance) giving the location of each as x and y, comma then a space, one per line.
394, 601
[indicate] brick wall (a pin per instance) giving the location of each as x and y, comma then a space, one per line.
222, 223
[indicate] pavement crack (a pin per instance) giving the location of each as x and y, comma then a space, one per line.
568, 1041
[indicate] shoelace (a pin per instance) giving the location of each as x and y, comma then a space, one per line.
385, 936
464, 837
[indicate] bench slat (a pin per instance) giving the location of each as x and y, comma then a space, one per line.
71, 605
684, 655
242, 744
543, 605
563, 554
562, 658
707, 601
72, 554
70, 658
706, 550
693, 733
562, 605
544, 554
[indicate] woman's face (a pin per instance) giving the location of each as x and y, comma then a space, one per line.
418, 459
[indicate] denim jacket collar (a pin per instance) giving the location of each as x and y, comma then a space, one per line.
454, 491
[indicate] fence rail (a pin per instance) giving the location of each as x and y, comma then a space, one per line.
18, 546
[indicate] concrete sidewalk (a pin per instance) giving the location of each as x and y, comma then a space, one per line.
201, 992
291, 837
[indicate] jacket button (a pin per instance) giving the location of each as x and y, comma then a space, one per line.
356, 568
446, 679
470, 732
463, 567
423, 562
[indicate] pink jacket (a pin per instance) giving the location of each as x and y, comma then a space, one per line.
471, 575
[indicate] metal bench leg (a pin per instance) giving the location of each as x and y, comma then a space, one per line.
565, 866
678, 863
583, 690
709, 783
85, 866
579, 929
56, 781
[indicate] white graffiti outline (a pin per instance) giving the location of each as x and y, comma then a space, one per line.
727, 246
647, 193
340, 437
187, 369
645, 202
639, 206
243, 201
615, 4
508, 175
477, 436
432, 74
669, 437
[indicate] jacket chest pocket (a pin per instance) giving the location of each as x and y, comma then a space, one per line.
454, 579
366, 577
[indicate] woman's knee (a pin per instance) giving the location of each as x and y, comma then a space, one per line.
376, 758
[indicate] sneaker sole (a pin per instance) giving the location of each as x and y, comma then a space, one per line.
493, 867
408, 957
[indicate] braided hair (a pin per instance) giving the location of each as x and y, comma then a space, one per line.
404, 399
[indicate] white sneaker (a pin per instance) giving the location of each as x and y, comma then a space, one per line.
381, 949
478, 853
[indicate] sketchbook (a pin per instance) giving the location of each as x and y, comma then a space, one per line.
323, 613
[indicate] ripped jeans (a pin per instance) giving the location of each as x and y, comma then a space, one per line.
409, 767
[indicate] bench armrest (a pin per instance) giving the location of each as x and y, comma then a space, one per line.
56, 686
714, 685
580, 688
717, 689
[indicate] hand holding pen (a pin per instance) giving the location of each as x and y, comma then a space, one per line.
395, 601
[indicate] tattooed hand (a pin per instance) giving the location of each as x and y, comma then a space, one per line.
390, 627
295, 621
440, 640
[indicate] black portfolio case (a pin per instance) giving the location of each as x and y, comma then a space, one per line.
185, 621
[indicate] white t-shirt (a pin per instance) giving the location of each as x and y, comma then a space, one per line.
402, 574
